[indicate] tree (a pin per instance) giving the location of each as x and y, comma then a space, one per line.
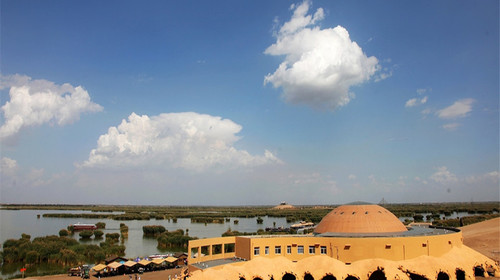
32, 257
68, 257
418, 218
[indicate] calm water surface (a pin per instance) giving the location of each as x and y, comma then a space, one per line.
15, 222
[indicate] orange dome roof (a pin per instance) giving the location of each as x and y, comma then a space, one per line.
359, 219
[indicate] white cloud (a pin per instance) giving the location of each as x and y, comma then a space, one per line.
418, 179
443, 176
426, 112
352, 177
12, 175
451, 126
187, 140
35, 102
492, 177
412, 102
421, 91
416, 101
8, 166
459, 109
320, 64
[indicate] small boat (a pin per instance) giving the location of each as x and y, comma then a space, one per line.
79, 226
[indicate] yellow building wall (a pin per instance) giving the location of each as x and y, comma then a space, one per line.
345, 249
243, 247
195, 247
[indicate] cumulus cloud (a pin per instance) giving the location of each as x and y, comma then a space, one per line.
461, 108
36, 102
443, 176
320, 65
188, 140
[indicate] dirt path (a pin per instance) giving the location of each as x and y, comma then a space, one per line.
154, 275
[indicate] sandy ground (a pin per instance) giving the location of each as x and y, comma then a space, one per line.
483, 237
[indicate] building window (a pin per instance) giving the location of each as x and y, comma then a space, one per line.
323, 250
266, 250
312, 250
300, 249
256, 251
277, 250
288, 249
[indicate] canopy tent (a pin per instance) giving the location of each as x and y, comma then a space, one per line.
99, 267
144, 262
157, 261
171, 259
129, 263
114, 265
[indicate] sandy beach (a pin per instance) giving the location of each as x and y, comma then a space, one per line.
483, 237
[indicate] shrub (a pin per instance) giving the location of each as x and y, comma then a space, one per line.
173, 239
154, 230
86, 234
98, 234
63, 232
112, 237
101, 225
56, 250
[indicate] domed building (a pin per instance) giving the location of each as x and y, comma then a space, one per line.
359, 219
352, 242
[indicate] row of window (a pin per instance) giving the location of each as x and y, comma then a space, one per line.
300, 250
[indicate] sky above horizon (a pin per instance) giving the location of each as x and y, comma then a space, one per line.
249, 102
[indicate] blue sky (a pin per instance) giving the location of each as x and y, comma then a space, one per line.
249, 103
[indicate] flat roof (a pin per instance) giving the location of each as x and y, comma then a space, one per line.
415, 230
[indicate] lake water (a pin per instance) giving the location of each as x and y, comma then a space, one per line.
15, 222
